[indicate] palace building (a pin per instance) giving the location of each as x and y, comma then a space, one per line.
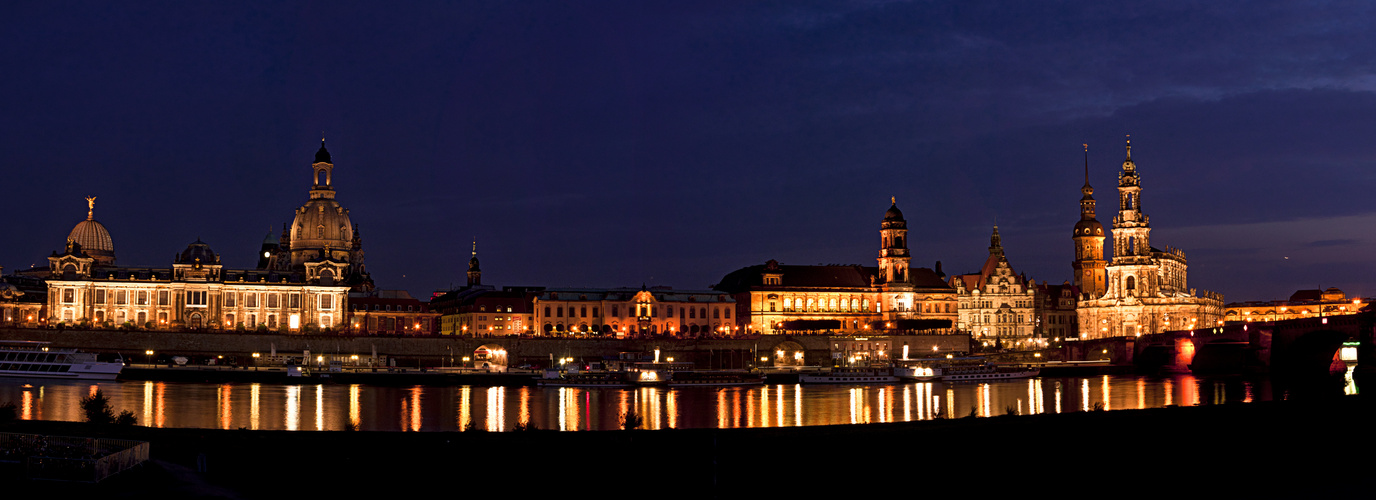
996, 304
773, 298
623, 312
301, 283
1145, 288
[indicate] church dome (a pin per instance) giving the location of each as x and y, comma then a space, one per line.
893, 213
93, 237
321, 223
197, 250
271, 238
1089, 227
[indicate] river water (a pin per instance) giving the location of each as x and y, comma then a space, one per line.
423, 408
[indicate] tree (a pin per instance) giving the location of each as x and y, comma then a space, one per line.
97, 408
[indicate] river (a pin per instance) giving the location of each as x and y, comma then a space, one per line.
422, 408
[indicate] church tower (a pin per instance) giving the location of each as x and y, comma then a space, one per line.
1134, 269
893, 254
475, 274
1089, 244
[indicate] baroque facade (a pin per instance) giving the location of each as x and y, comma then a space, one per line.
1146, 290
624, 312
775, 299
1312, 303
996, 304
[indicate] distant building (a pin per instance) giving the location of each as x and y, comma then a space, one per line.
22, 300
996, 304
774, 298
1055, 311
630, 312
1145, 288
485, 311
1312, 303
390, 312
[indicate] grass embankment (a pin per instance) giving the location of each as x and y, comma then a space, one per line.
1271, 449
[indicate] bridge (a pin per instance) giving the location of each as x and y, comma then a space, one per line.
1300, 354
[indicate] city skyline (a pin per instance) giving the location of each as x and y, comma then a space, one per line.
671, 145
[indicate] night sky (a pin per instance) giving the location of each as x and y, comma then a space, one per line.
669, 143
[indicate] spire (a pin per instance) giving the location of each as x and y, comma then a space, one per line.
995, 242
475, 247
1128, 165
90, 208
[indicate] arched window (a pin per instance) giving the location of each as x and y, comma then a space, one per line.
1131, 284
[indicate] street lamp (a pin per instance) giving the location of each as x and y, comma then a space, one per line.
149, 354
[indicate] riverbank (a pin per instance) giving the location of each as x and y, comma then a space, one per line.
1271, 449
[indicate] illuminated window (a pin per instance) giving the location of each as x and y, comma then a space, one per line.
164, 298
100, 296
68, 295
143, 298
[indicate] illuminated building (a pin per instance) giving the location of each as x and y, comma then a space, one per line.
634, 312
321, 241
1312, 303
996, 304
1055, 311
1145, 288
21, 301
773, 298
483, 310
196, 292
1088, 235
300, 282
390, 312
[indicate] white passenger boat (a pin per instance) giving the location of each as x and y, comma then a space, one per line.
33, 359
987, 372
851, 376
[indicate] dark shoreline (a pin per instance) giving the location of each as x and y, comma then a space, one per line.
1262, 448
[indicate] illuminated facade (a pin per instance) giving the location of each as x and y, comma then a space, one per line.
634, 312
390, 312
773, 298
18, 306
1145, 288
1313, 303
996, 304
196, 292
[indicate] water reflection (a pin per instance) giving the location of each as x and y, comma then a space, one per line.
334, 407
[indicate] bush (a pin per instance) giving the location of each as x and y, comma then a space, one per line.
630, 420
97, 408
126, 417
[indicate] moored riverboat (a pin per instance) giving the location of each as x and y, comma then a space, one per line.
34, 359
714, 378
987, 372
554, 378
851, 376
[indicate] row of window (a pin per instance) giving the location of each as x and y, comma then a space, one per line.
642, 311
273, 300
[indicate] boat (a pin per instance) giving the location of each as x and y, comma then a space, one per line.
35, 359
714, 378
851, 376
571, 378
987, 372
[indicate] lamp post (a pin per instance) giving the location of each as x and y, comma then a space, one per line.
255, 361
149, 354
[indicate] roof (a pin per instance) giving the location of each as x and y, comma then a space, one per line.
821, 276
323, 155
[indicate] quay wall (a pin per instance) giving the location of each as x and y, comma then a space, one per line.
444, 350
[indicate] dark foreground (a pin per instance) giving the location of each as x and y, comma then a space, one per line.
1262, 449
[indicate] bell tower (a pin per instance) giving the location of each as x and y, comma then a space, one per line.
1131, 228
1089, 244
893, 250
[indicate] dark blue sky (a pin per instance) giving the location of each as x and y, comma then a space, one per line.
620, 143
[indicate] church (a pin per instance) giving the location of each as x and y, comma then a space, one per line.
1143, 289
302, 281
